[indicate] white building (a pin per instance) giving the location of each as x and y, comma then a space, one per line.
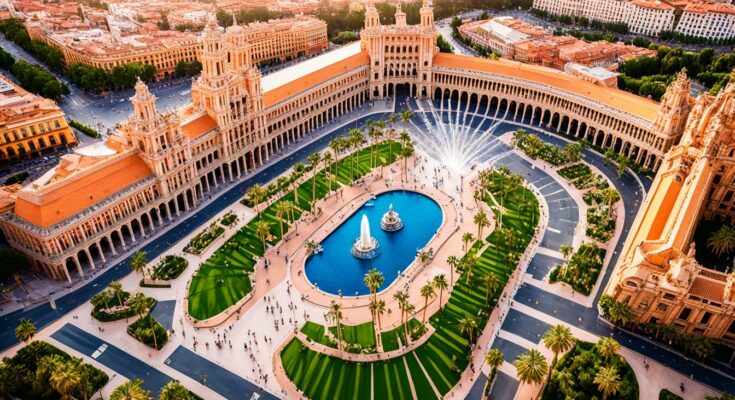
711, 20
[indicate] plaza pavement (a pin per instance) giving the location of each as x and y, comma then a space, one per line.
521, 320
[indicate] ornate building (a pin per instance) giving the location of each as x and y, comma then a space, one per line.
104, 198
659, 274
29, 124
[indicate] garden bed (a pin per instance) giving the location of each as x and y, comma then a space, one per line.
170, 267
229, 219
574, 374
201, 241
143, 330
600, 223
107, 307
582, 269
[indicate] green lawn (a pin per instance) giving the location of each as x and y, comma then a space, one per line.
445, 354
362, 334
222, 280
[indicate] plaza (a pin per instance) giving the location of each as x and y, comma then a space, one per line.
273, 300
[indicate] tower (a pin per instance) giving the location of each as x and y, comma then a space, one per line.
211, 87
427, 48
372, 41
675, 107
427, 16
400, 16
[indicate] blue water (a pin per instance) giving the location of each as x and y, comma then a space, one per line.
336, 268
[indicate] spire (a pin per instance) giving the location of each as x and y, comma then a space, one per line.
400, 16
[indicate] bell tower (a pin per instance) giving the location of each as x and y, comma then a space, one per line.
212, 87
427, 49
674, 109
372, 41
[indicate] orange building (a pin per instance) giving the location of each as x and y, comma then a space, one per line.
667, 273
29, 124
104, 199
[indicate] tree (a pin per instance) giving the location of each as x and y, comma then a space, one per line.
453, 262
467, 238
402, 298
492, 283
173, 390
480, 219
443, 44
494, 359
336, 146
565, 250
607, 347
608, 381
469, 263
66, 379
328, 160
314, 161
281, 210
440, 282
427, 292
468, 325
25, 331
622, 163
335, 313
355, 137
131, 390
406, 153
558, 339
138, 262
116, 288
722, 241
531, 367
256, 194
373, 280
139, 303
620, 313
374, 309
263, 230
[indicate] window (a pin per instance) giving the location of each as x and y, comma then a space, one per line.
669, 296
685, 313
631, 284
662, 307
705, 318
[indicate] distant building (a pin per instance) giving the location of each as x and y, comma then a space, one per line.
557, 51
709, 20
646, 17
29, 124
500, 34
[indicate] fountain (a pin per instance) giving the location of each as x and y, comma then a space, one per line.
448, 135
391, 222
365, 247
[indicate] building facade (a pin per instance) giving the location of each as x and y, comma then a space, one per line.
645, 17
710, 20
103, 199
500, 34
275, 40
29, 124
659, 274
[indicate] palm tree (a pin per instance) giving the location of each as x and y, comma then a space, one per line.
620, 313
116, 288
373, 280
531, 367
427, 292
492, 283
623, 163
335, 312
139, 303
423, 257
468, 325
374, 305
480, 219
263, 230
469, 263
467, 238
406, 153
405, 115
355, 138
722, 241
453, 262
298, 169
66, 379
402, 298
607, 347
174, 390
440, 282
314, 161
558, 339
328, 159
608, 381
379, 310
281, 209
131, 390
494, 359
565, 250
25, 331
138, 262
391, 131
256, 194
335, 145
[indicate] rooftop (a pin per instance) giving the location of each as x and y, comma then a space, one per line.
18, 105
627, 102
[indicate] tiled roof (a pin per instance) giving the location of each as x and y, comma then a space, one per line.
707, 289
